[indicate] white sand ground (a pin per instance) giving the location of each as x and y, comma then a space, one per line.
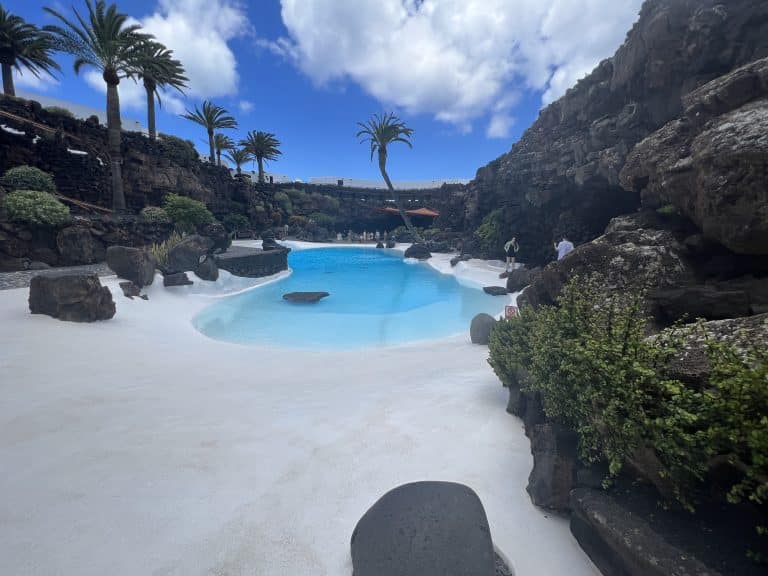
138, 446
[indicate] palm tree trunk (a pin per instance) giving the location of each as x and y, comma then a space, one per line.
150, 110
398, 201
213, 148
260, 160
8, 88
218, 157
115, 154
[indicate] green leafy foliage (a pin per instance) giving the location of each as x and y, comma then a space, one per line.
28, 178
234, 222
667, 210
284, 202
35, 208
155, 214
600, 374
490, 233
323, 220
187, 214
59, 111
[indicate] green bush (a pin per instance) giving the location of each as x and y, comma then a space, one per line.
284, 203
187, 214
180, 151
36, 208
490, 233
323, 220
28, 178
599, 374
667, 210
155, 214
297, 196
59, 111
234, 222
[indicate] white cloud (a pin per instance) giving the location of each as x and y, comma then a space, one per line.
32, 82
454, 59
245, 106
198, 32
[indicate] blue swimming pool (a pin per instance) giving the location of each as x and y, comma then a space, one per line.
376, 299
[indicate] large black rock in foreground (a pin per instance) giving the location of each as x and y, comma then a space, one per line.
73, 296
424, 529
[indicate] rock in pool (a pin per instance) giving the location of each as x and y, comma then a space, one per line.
305, 297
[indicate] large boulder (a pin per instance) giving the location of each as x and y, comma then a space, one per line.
424, 529
418, 251
132, 264
554, 450
77, 245
635, 253
711, 165
519, 278
480, 328
218, 234
72, 296
187, 254
208, 270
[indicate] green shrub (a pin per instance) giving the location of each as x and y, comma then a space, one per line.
187, 214
490, 233
161, 249
155, 214
297, 196
300, 221
36, 208
28, 178
667, 210
284, 203
234, 222
328, 204
59, 111
179, 151
323, 220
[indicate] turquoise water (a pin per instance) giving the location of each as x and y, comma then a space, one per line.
376, 299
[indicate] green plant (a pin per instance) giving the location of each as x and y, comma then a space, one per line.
59, 111
490, 233
160, 250
234, 222
36, 208
284, 202
667, 210
323, 220
187, 214
155, 214
28, 178
178, 150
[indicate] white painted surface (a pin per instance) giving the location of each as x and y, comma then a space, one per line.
138, 446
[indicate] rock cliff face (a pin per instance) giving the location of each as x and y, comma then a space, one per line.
563, 176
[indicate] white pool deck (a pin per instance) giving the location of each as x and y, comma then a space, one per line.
138, 446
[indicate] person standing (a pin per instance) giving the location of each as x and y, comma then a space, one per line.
510, 250
563, 248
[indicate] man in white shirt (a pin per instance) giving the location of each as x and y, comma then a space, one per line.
564, 247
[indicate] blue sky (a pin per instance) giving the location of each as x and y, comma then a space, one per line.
469, 76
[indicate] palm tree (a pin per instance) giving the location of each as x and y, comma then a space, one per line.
238, 157
23, 45
262, 146
109, 44
211, 117
159, 69
381, 131
221, 143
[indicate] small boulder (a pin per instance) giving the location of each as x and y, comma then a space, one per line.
35, 265
495, 290
176, 279
418, 251
133, 264
77, 245
268, 241
391, 243
305, 297
519, 278
424, 529
186, 255
130, 289
208, 270
72, 296
552, 478
480, 329
463, 258
218, 234
379, 245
